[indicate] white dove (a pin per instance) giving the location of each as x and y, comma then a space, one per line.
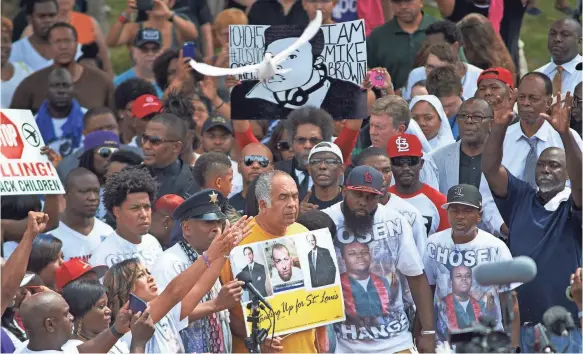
268, 67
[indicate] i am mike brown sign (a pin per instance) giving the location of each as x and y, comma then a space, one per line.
23, 169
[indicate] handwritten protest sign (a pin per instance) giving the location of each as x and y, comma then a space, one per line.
298, 275
325, 73
23, 170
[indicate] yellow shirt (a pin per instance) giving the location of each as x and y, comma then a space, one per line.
301, 342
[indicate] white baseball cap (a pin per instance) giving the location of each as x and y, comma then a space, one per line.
326, 147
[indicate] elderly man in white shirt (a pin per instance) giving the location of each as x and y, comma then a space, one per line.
525, 141
564, 42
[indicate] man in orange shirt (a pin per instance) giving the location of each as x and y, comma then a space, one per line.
277, 195
406, 154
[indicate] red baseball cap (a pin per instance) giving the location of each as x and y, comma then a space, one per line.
145, 105
75, 268
404, 145
498, 73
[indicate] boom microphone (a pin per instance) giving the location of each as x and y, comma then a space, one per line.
558, 320
246, 277
519, 270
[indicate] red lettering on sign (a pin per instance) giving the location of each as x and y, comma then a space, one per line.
11, 145
26, 169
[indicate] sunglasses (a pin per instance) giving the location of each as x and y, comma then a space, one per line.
329, 161
303, 141
283, 146
405, 160
155, 140
106, 151
251, 159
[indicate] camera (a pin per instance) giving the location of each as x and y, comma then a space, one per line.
481, 338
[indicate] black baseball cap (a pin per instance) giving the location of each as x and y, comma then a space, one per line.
366, 179
148, 35
464, 194
204, 205
217, 121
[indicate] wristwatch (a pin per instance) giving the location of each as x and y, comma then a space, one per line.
171, 18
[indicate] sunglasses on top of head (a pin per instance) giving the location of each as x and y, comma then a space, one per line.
250, 159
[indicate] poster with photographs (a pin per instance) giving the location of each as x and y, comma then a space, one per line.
298, 276
325, 73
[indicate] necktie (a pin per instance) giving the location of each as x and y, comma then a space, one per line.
305, 183
314, 259
558, 80
251, 268
530, 164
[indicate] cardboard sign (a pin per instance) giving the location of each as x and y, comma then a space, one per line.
325, 73
298, 275
23, 169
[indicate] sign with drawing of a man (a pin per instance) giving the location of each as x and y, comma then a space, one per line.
325, 73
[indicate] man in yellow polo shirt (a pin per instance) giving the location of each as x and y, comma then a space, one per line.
277, 195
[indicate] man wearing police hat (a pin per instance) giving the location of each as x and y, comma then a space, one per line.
202, 220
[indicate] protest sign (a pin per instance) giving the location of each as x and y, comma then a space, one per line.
23, 169
325, 73
298, 275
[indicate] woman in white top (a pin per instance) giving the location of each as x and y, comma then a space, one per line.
428, 112
169, 310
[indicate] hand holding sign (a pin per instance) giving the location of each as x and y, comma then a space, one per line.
53, 156
269, 66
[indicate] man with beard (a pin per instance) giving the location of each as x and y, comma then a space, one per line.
35, 51
79, 230
255, 159
496, 86
93, 88
326, 168
405, 153
564, 43
525, 141
544, 219
389, 240
576, 117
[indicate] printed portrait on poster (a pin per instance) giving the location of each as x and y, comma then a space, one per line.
322, 268
326, 72
285, 271
251, 260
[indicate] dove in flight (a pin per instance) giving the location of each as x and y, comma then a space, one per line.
268, 67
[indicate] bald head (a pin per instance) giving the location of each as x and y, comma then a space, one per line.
564, 40
60, 74
556, 153
256, 159
79, 175
257, 149
38, 308
479, 104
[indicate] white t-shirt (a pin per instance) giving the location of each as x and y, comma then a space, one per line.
77, 245
115, 249
21, 71
23, 51
376, 320
237, 185
169, 265
442, 258
69, 348
166, 338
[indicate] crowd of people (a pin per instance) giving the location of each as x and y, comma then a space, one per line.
461, 161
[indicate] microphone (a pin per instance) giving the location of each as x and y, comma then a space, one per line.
519, 270
558, 320
246, 277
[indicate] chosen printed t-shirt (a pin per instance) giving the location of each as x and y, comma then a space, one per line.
77, 245
375, 315
428, 201
115, 249
459, 300
301, 342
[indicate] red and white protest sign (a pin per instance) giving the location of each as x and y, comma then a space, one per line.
23, 169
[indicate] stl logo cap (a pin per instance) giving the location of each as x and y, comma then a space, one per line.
402, 144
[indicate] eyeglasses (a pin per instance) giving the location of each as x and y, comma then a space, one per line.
251, 159
283, 146
329, 161
303, 141
106, 151
472, 117
408, 160
155, 140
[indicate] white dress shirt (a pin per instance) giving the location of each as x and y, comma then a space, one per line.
515, 150
571, 76
469, 81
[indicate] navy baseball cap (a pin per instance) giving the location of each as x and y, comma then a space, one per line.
204, 205
366, 179
464, 194
148, 35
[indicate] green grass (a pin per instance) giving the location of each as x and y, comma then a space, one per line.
533, 34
